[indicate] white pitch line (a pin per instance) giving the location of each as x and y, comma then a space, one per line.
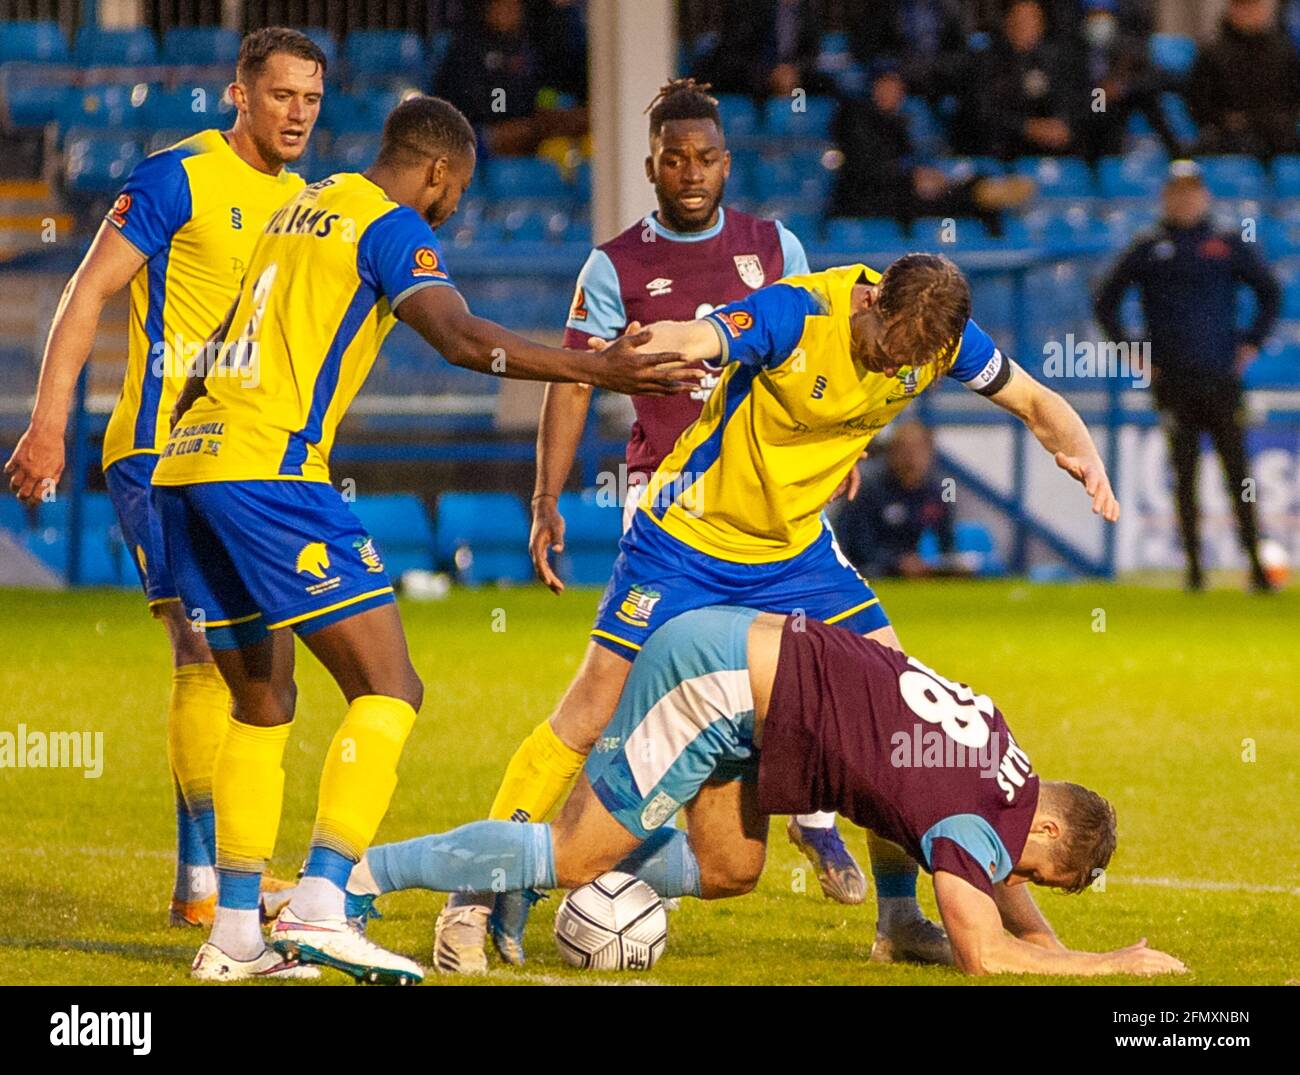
1209, 886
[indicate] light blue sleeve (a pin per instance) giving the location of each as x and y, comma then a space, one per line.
794, 261
597, 308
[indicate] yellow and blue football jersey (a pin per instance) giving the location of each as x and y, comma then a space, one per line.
792, 413
319, 298
195, 212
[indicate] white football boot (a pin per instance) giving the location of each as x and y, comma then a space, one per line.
337, 943
213, 965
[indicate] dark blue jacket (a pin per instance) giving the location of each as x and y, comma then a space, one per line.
1188, 279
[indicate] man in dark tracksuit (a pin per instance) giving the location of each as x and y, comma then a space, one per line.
1187, 273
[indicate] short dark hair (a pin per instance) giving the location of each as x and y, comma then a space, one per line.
924, 302
423, 127
1088, 832
682, 98
261, 45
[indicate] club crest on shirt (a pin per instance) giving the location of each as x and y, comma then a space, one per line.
908, 378
750, 269
638, 606
658, 810
369, 554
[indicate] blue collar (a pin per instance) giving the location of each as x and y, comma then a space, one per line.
687, 236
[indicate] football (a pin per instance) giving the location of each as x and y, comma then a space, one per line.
614, 923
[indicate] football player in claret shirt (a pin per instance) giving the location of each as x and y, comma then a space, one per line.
737, 715
813, 367
262, 546
180, 235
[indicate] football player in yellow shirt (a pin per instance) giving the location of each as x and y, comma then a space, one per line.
813, 367
262, 547
180, 235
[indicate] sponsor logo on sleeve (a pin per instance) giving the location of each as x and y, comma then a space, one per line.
426, 265
736, 322
117, 214
578, 311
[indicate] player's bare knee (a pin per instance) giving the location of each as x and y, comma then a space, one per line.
728, 876
576, 864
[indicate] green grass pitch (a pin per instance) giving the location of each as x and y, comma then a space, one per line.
1182, 710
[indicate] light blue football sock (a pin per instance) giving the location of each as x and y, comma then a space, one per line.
666, 863
485, 856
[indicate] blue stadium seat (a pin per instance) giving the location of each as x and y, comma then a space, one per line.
200, 44
926, 131
799, 117
1234, 177
400, 526
484, 537
966, 233
109, 107
1286, 177
791, 174
993, 304
353, 113
739, 117
183, 110
974, 537
1173, 53
95, 47
1058, 177
97, 162
963, 168
525, 177
1134, 176
33, 42
591, 534
385, 53
34, 105
864, 234
325, 41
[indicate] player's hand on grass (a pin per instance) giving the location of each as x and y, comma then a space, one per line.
1092, 475
547, 536
1141, 960
633, 373
36, 465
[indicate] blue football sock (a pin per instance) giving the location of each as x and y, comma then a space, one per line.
239, 890
329, 864
666, 863
486, 856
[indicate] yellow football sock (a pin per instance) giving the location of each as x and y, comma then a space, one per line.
360, 773
196, 722
248, 791
536, 777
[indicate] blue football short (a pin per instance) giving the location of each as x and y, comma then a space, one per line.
657, 577
249, 557
686, 716
128, 489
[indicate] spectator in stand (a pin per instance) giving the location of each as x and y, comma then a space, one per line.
559, 29
1022, 92
493, 73
766, 48
926, 37
1115, 60
1244, 90
880, 529
881, 176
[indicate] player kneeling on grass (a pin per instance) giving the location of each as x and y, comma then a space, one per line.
736, 715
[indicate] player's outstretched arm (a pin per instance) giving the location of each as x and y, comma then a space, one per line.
981, 944
107, 268
440, 315
1061, 431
